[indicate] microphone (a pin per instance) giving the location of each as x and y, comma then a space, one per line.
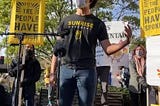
59, 49
63, 33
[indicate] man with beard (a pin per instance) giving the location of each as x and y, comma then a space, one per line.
32, 72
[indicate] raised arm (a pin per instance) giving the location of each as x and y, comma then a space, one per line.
112, 48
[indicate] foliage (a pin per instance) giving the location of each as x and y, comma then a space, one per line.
5, 8
123, 91
128, 10
137, 41
55, 11
103, 9
118, 89
11, 51
40, 84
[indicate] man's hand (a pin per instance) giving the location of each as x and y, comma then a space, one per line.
21, 66
128, 33
24, 83
52, 79
59, 49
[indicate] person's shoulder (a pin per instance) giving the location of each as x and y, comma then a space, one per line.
68, 17
36, 60
96, 18
98, 21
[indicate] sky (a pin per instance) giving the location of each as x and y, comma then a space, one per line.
2, 52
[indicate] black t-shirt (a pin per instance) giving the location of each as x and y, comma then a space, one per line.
81, 41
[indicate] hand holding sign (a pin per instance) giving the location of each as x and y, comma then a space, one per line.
128, 32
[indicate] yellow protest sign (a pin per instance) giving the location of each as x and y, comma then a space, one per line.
27, 16
154, 105
150, 17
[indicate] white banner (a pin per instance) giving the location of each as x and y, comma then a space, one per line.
153, 60
101, 58
115, 31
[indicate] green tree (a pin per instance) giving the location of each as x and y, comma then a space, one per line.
128, 10
103, 9
137, 41
55, 11
5, 7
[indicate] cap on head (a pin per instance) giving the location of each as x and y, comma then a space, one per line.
93, 3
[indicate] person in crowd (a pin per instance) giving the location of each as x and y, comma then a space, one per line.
32, 72
2, 96
78, 64
123, 77
103, 71
137, 82
5, 87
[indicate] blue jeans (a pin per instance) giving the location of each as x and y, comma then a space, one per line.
84, 80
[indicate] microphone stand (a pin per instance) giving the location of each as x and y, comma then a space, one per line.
18, 74
60, 55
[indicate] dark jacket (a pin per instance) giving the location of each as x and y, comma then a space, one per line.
32, 71
2, 96
136, 82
